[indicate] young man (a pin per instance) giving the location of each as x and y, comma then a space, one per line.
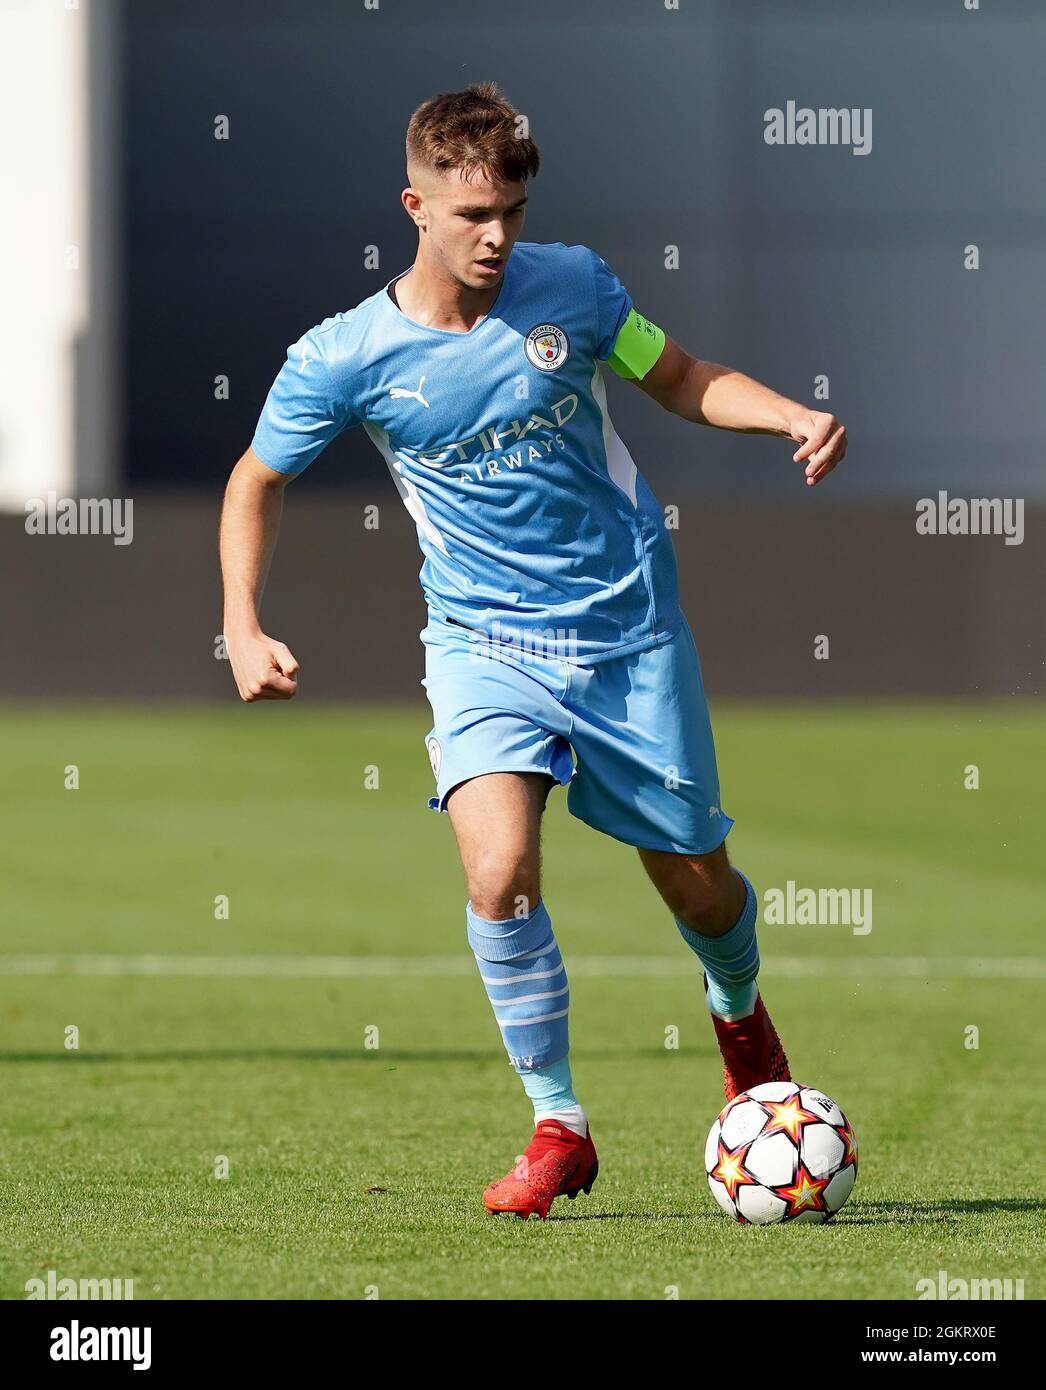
554, 627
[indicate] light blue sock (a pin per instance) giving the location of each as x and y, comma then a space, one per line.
526, 983
731, 961
550, 1088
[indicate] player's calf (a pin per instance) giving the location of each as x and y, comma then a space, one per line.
715, 909
701, 890
497, 821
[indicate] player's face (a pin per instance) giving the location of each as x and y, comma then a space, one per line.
472, 225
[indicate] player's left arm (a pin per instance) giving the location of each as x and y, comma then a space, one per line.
709, 394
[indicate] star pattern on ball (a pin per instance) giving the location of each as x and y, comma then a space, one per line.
848, 1137
787, 1117
730, 1169
806, 1193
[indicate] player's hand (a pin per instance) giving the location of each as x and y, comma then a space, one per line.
823, 442
263, 668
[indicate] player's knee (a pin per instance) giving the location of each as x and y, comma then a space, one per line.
498, 904
502, 886
710, 905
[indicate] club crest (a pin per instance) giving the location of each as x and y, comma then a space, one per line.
435, 755
547, 347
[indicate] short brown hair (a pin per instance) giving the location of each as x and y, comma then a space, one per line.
476, 129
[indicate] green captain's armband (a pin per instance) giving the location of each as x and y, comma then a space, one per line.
637, 347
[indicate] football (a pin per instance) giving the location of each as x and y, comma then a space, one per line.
781, 1152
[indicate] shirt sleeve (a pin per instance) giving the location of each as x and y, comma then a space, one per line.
613, 304
303, 411
626, 341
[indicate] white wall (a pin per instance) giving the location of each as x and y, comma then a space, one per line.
56, 252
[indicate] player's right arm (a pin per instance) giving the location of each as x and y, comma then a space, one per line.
303, 412
263, 668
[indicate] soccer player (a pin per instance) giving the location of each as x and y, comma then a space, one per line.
556, 650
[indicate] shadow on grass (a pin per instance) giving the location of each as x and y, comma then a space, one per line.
857, 1214
919, 1213
647, 1218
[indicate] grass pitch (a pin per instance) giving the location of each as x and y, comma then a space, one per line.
356, 1170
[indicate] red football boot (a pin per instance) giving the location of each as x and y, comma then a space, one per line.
752, 1051
557, 1163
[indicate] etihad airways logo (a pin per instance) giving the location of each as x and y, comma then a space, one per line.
495, 437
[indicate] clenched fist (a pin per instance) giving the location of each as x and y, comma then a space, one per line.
262, 668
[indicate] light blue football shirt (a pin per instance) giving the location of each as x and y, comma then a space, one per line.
534, 522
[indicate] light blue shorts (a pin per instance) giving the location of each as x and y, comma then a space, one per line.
637, 726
